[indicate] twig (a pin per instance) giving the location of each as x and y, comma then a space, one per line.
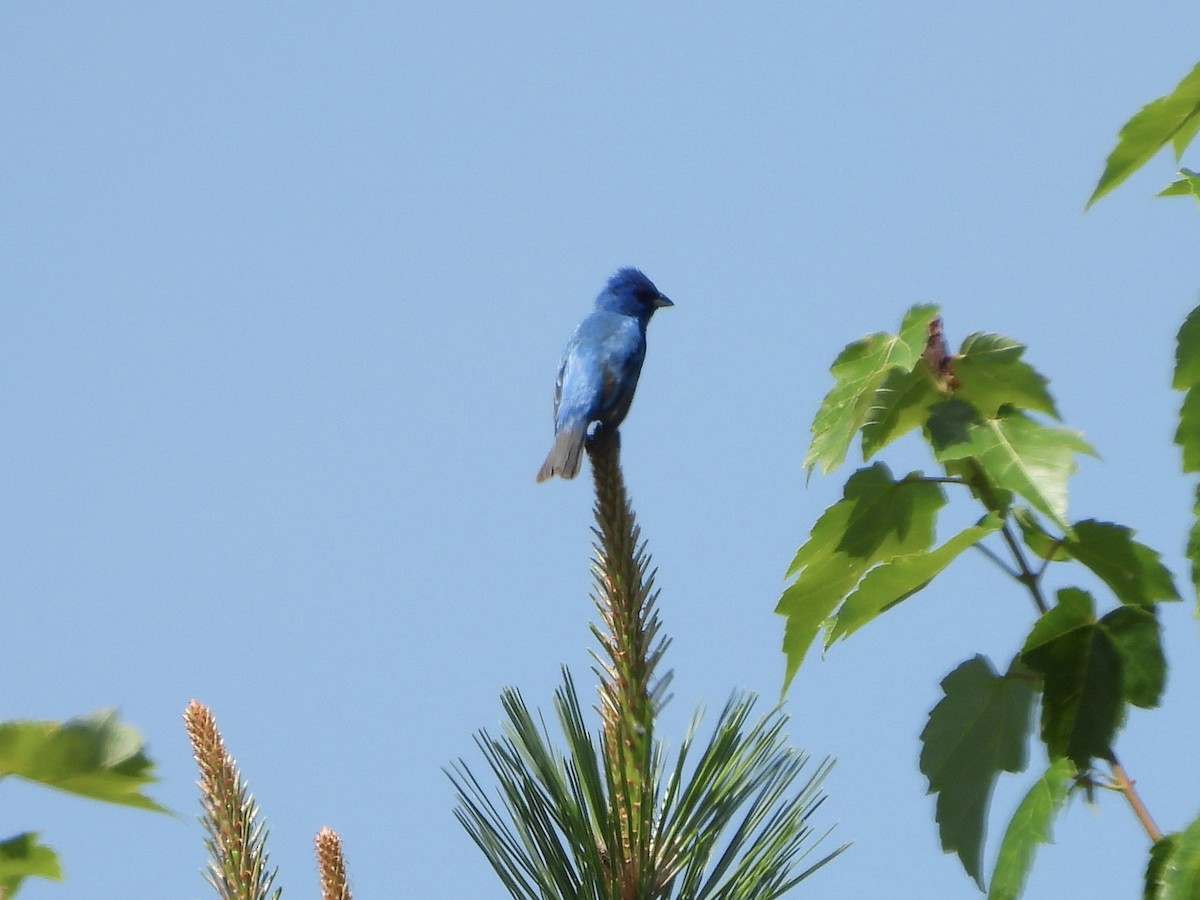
1125, 785
629, 689
991, 554
1024, 574
934, 479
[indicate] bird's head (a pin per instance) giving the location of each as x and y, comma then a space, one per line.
631, 293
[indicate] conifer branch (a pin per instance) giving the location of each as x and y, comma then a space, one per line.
332, 866
236, 836
630, 651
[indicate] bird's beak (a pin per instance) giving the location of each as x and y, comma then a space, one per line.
662, 301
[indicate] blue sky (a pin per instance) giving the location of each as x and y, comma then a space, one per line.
285, 289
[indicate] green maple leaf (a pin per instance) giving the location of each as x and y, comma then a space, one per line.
1136, 636
1041, 542
899, 578
95, 756
23, 857
1188, 185
1133, 571
1174, 869
1172, 119
1193, 546
859, 372
1082, 702
1029, 826
979, 729
901, 405
990, 374
1015, 452
879, 518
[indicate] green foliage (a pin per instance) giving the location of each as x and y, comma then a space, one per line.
1137, 638
899, 577
1174, 869
23, 857
1092, 668
1188, 185
979, 729
992, 375
1030, 826
1156, 867
1187, 434
862, 394
1081, 690
1187, 379
1043, 544
990, 423
879, 519
1015, 452
1133, 571
1172, 119
1193, 546
608, 817
95, 756
730, 826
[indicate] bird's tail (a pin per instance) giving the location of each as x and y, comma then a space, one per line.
566, 455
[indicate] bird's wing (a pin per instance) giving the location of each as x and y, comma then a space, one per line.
599, 370
562, 375
621, 356
578, 388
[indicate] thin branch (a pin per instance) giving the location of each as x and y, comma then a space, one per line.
934, 479
1025, 575
629, 688
992, 555
1125, 785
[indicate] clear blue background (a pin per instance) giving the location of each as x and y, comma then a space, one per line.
284, 289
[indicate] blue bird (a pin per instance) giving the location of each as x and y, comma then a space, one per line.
600, 367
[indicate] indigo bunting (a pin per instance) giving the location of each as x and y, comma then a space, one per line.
600, 367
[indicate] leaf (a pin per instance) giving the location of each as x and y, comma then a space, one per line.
1187, 353
1133, 571
1187, 378
1193, 547
1169, 119
95, 756
1137, 638
950, 423
901, 577
1081, 670
1183, 137
729, 818
859, 372
901, 405
1187, 433
878, 518
1030, 826
990, 374
1178, 872
1188, 185
1037, 539
1159, 854
1017, 453
23, 857
977, 730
